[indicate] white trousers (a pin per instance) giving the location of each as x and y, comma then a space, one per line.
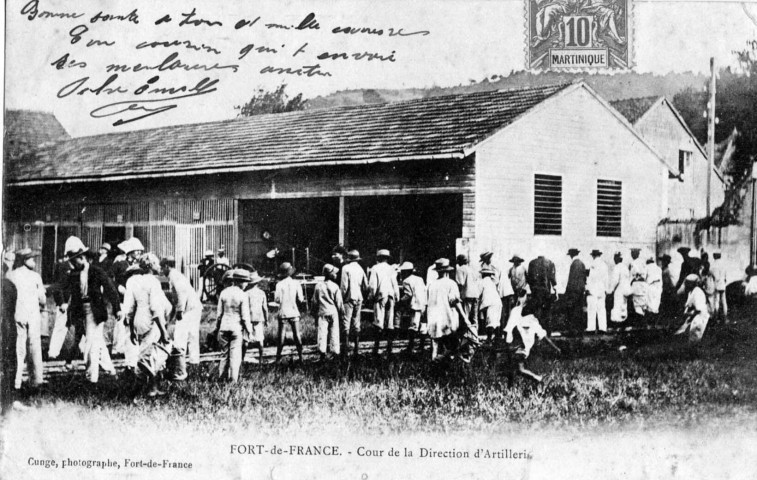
596, 313
186, 335
28, 343
58, 335
95, 351
328, 334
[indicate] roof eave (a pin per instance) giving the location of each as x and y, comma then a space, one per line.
455, 155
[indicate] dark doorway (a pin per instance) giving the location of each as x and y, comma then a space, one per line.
415, 228
64, 231
113, 236
48, 253
303, 230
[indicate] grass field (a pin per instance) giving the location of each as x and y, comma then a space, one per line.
655, 381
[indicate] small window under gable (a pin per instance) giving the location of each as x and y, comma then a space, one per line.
547, 204
684, 161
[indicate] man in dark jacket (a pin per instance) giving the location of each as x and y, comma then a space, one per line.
59, 290
104, 259
541, 281
132, 248
8, 341
90, 289
690, 265
575, 293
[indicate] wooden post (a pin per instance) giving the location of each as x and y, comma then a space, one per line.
342, 222
710, 136
752, 233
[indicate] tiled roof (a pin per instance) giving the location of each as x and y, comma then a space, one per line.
26, 131
436, 127
634, 108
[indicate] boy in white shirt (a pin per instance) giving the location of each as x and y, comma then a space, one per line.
522, 332
412, 305
328, 309
490, 304
289, 296
258, 303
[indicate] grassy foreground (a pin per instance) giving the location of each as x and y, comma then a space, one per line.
654, 382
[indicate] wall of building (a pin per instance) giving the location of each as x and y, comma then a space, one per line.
687, 199
183, 216
572, 135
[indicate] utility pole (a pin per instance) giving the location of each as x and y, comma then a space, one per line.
710, 135
753, 233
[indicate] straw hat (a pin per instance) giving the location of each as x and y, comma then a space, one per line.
329, 269
442, 265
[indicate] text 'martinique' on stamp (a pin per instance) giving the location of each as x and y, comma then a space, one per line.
565, 35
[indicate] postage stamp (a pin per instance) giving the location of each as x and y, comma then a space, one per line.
579, 34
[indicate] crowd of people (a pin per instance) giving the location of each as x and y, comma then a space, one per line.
453, 307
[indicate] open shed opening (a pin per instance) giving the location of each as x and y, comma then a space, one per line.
304, 231
415, 228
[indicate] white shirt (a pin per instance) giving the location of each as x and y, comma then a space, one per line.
443, 319
489, 294
638, 269
382, 282
143, 301
414, 288
233, 310
654, 274
186, 296
599, 278
353, 282
288, 295
697, 302
30, 296
258, 305
718, 271
528, 327
621, 278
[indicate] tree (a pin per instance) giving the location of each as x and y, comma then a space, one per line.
272, 102
736, 108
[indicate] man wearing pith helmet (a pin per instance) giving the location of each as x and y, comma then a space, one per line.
132, 248
90, 290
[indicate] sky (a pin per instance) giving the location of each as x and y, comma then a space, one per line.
466, 40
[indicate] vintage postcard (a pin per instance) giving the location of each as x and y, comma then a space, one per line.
332, 239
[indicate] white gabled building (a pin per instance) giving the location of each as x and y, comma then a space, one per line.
530, 171
658, 121
571, 172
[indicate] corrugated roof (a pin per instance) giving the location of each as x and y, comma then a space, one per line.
436, 127
634, 108
26, 131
